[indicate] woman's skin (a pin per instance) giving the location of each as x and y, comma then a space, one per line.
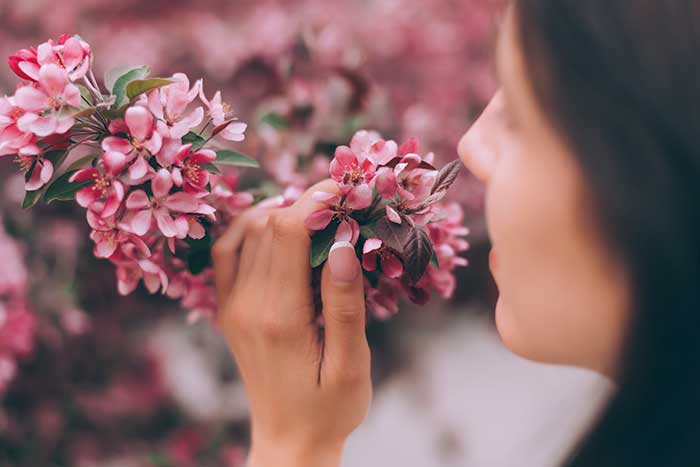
563, 297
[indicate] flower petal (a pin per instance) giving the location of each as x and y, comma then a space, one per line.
165, 222
138, 169
319, 220
391, 265
161, 184
115, 143
392, 215
360, 197
138, 200
140, 122
31, 99
141, 222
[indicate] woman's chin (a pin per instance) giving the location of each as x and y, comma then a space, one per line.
511, 334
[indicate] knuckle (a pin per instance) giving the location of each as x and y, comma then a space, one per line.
347, 313
221, 250
257, 226
274, 329
284, 226
352, 375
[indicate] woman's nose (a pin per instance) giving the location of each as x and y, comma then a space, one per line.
478, 148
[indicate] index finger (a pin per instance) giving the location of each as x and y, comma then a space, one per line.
290, 261
306, 205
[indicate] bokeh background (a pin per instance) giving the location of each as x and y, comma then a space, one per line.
89, 378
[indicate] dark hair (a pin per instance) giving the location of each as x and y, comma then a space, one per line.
621, 81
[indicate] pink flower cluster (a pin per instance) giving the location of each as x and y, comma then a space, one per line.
153, 190
41, 106
17, 323
155, 197
388, 205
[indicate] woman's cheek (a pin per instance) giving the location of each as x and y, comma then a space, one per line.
508, 218
520, 214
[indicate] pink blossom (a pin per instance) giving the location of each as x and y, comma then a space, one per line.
383, 300
371, 144
189, 172
226, 197
374, 251
12, 139
353, 173
44, 101
144, 139
218, 112
161, 206
70, 53
24, 63
17, 327
109, 239
413, 183
105, 193
169, 104
42, 169
130, 273
348, 228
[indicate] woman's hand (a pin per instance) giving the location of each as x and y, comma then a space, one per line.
307, 393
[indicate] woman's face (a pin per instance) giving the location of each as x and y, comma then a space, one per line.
562, 297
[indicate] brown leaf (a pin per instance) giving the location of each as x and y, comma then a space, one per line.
418, 251
446, 176
393, 235
423, 165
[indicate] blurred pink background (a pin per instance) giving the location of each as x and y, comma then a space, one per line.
88, 378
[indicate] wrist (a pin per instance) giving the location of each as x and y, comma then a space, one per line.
279, 454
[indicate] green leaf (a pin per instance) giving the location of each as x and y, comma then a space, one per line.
321, 244
275, 120
368, 231
235, 158
31, 198
195, 139
211, 168
119, 88
57, 156
111, 76
63, 190
80, 163
434, 261
85, 96
139, 86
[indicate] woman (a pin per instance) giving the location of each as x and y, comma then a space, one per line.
590, 158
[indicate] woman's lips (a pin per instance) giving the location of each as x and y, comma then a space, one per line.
493, 263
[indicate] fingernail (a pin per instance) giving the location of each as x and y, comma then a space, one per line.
342, 262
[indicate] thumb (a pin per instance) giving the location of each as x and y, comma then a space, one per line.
343, 296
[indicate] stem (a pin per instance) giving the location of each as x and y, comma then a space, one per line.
207, 125
94, 82
93, 91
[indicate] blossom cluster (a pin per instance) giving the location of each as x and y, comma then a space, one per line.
154, 194
149, 182
389, 206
